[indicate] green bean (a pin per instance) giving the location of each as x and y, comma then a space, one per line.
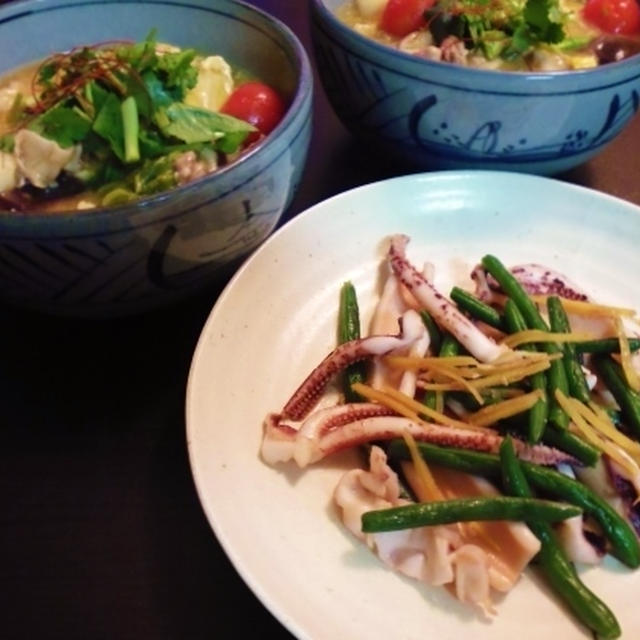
490, 395
604, 345
613, 377
553, 562
562, 439
559, 322
538, 414
624, 543
349, 329
573, 444
556, 376
481, 508
449, 347
435, 338
623, 540
515, 291
430, 399
476, 308
465, 460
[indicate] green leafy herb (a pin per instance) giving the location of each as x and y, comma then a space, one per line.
109, 125
155, 175
158, 93
66, 126
46, 74
544, 20
141, 55
178, 70
500, 28
193, 124
124, 105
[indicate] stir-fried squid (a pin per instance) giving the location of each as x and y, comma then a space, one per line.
446, 404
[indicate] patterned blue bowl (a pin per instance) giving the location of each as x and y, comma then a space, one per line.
434, 115
132, 258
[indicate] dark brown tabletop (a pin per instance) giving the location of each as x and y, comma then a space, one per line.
101, 531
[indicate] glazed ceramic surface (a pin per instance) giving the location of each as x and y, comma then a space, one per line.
140, 256
279, 524
438, 115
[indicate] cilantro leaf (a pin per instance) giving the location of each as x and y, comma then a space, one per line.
178, 71
193, 124
63, 125
539, 14
521, 41
108, 124
154, 176
98, 95
140, 55
152, 144
159, 95
46, 74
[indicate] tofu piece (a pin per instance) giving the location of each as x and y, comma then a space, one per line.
9, 176
214, 85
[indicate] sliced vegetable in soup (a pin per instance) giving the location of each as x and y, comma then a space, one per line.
516, 35
108, 124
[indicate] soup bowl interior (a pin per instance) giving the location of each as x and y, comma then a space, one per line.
155, 251
435, 115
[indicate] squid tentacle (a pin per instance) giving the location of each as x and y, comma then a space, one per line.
442, 309
308, 393
335, 429
536, 279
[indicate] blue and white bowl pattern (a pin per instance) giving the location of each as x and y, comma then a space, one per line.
151, 253
437, 115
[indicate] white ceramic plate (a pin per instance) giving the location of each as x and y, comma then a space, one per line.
277, 319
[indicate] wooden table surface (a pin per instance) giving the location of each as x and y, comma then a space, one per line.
101, 531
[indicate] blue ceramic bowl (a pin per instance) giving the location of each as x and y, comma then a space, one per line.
434, 115
136, 257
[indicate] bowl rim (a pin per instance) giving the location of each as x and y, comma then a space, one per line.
284, 36
320, 9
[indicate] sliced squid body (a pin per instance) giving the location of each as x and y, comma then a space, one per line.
390, 307
465, 558
394, 302
41, 160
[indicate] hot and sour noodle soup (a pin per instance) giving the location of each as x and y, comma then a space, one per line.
516, 35
108, 124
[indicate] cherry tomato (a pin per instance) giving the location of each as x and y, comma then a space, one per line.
257, 104
401, 17
614, 16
